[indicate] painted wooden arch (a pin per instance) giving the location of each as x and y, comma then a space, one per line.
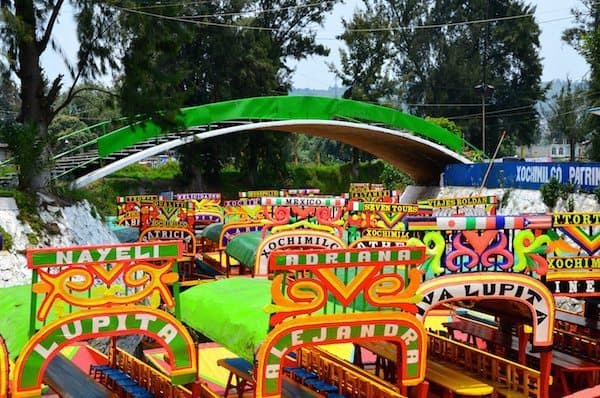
399, 327
494, 285
304, 238
116, 321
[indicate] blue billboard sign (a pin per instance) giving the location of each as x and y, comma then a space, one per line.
526, 175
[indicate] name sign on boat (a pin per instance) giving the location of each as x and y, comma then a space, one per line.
301, 259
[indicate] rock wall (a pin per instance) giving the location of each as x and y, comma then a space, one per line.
72, 225
511, 201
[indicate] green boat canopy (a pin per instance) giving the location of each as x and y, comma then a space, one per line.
243, 247
212, 231
14, 322
230, 312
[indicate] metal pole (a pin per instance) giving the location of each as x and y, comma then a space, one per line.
487, 172
483, 116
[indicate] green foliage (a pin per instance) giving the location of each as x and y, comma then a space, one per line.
64, 124
33, 239
508, 147
92, 104
551, 192
442, 66
571, 204
505, 198
445, 124
566, 190
567, 116
26, 33
7, 239
364, 67
594, 150
168, 65
28, 214
393, 178
585, 38
168, 170
101, 195
26, 146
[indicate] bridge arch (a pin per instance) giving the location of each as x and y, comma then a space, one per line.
494, 286
403, 140
115, 321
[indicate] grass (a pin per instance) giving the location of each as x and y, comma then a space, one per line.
168, 170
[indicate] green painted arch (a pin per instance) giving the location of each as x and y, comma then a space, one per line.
284, 108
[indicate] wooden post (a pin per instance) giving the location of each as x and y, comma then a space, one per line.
196, 388
400, 369
422, 389
523, 337
545, 368
113, 351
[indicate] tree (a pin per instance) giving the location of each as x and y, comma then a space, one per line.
9, 96
585, 38
26, 30
363, 67
442, 64
242, 49
567, 115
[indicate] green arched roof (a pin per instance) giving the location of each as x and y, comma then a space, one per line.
283, 108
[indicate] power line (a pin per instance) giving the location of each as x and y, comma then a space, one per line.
507, 111
256, 11
388, 28
187, 3
443, 105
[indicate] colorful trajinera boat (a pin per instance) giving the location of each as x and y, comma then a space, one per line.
355, 295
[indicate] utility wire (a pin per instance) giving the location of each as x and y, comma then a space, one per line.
247, 12
388, 28
507, 110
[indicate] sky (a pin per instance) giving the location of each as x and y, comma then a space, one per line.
559, 60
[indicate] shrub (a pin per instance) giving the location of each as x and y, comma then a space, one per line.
7, 240
551, 191
393, 178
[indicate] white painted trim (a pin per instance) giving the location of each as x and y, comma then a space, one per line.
155, 150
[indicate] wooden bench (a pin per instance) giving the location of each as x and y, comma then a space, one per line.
452, 380
577, 344
351, 380
242, 370
509, 379
563, 364
154, 381
577, 324
455, 381
385, 360
494, 339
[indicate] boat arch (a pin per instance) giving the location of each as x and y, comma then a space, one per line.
115, 321
402, 328
479, 286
